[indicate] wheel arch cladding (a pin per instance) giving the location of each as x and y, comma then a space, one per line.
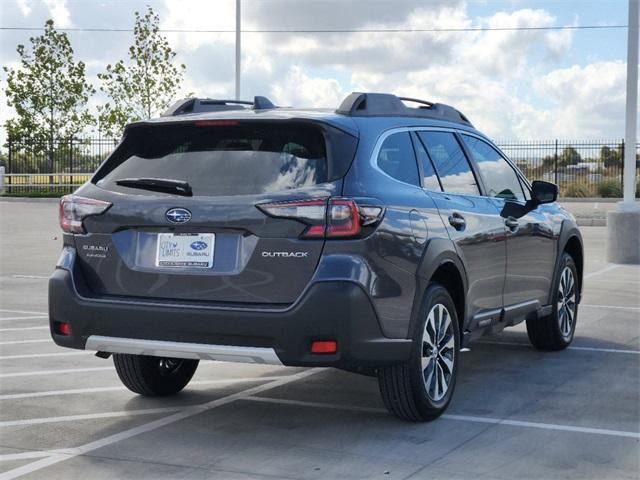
440, 263
573, 247
448, 275
569, 241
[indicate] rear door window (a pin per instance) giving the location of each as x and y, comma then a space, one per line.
429, 177
397, 159
450, 162
500, 179
237, 159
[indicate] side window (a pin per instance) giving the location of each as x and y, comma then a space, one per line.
430, 178
500, 178
450, 162
397, 159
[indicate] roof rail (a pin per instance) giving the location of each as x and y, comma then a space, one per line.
200, 105
386, 105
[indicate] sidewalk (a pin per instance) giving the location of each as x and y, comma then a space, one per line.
590, 212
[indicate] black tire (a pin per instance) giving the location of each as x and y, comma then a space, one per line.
403, 386
547, 333
154, 376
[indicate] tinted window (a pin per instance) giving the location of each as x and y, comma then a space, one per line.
221, 160
430, 178
500, 179
396, 158
450, 162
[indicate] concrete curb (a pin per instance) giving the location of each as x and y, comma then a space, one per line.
588, 200
30, 199
591, 222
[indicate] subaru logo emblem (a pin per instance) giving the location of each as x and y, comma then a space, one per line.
198, 245
178, 215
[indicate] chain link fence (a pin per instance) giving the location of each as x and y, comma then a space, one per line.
582, 168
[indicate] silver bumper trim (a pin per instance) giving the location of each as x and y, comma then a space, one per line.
202, 351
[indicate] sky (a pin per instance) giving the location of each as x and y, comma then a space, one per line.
513, 85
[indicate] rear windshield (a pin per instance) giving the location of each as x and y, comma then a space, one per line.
221, 159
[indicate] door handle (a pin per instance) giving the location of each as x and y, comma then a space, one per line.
457, 221
511, 223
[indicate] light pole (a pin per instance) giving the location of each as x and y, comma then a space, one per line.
238, 47
623, 245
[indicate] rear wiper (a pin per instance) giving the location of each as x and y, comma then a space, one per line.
165, 185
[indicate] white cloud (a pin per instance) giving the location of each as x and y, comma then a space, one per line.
588, 101
198, 15
25, 7
59, 11
298, 88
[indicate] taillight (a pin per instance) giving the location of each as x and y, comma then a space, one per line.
310, 212
334, 217
343, 219
74, 209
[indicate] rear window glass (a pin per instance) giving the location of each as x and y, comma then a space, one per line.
221, 160
397, 159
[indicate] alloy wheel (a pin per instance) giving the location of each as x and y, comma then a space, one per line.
438, 352
566, 302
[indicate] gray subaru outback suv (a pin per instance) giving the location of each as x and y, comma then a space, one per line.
380, 237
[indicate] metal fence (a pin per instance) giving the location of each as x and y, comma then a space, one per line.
581, 168
53, 167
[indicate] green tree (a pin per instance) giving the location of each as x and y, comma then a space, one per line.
145, 86
49, 92
610, 157
569, 156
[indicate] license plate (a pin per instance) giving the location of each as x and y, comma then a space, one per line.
185, 250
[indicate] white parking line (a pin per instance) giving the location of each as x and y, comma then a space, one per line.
23, 311
39, 277
55, 372
605, 350
57, 456
30, 317
43, 355
89, 416
587, 349
463, 418
17, 329
598, 272
80, 391
618, 307
20, 342
7, 457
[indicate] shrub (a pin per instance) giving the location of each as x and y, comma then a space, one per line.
577, 190
609, 189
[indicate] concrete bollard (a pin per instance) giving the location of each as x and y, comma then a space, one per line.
623, 242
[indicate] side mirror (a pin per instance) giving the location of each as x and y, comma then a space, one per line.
544, 192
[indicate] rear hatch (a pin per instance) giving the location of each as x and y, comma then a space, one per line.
184, 223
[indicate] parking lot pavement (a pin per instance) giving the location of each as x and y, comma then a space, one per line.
516, 412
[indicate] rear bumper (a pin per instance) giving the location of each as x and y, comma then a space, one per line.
329, 310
